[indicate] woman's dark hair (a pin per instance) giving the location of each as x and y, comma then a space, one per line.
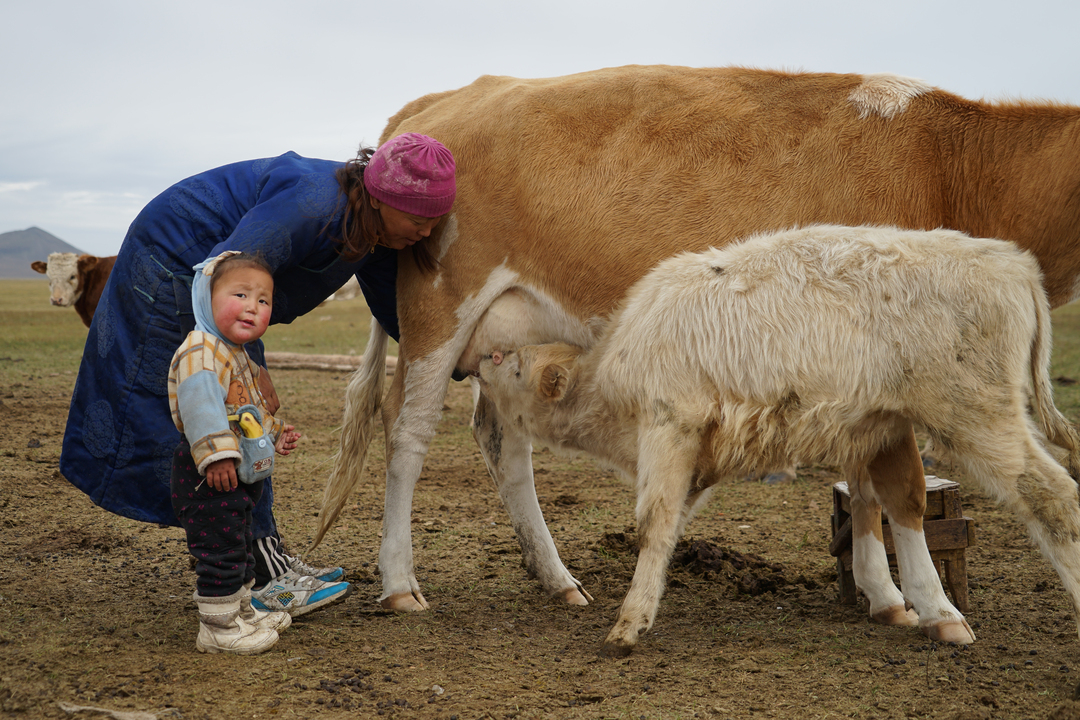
362, 226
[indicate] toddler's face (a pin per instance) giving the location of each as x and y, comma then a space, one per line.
241, 303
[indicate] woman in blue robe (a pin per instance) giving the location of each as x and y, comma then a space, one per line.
316, 223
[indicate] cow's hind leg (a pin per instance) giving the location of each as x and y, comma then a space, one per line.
896, 480
1023, 476
508, 455
665, 467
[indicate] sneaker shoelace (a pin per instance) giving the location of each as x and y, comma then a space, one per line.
301, 567
306, 581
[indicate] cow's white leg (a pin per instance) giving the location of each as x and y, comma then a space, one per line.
896, 480
870, 561
667, 450
411, 421
508, 454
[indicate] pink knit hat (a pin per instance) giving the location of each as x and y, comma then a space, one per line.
414, 174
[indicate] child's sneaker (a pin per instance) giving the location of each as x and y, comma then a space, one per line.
222, 630
326, 574
298, 594
277, 621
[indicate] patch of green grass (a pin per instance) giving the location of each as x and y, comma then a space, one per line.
36, 338
337, 328
1065, 364
50, 339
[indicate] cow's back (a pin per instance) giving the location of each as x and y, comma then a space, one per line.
583, 182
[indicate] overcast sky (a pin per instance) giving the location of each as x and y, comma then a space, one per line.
105, 104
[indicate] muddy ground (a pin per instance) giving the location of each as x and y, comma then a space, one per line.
95, 610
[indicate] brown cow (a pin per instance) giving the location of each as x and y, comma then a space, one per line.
76, 280
572, 188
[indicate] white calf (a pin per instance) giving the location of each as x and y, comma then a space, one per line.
823, 343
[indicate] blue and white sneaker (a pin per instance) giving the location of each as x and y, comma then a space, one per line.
326, 574
298, 594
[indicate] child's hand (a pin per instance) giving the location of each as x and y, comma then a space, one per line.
221, 475
287, 440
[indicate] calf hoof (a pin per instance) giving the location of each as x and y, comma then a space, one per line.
896, 615
574, 595
957, 631
404, 602
616, 649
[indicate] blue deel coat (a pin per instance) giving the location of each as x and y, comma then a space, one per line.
120, 437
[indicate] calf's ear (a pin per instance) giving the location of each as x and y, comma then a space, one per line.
555, 381
39, 266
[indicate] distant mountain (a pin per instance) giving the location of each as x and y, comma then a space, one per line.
19, 248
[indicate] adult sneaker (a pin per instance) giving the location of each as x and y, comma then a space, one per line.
326, 574
298, 594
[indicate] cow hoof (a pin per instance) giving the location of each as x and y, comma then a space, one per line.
896, 615
616, 649
405, 602
957, 631
574, 595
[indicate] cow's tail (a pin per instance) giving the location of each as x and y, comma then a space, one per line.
1057, 428
363, 401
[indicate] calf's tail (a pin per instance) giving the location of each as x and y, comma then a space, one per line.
363, 400
1057, 428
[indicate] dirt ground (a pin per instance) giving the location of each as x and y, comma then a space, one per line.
96, 617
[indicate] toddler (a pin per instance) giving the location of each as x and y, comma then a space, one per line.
226, 449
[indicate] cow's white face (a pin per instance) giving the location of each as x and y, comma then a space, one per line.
63, 274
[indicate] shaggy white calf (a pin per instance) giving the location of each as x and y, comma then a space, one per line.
825, 344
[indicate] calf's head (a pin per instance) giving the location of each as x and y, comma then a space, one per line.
531, 381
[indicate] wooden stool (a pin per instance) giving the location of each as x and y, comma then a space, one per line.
946, 529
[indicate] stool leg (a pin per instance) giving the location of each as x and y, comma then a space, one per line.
956, 579
846, 583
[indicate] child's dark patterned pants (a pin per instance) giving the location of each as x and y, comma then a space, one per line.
218, 526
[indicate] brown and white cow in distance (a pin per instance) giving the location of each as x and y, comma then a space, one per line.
824, 343
571, 188
76, 280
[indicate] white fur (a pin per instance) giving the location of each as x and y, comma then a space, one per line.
63, 274
886, 95
823, 343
